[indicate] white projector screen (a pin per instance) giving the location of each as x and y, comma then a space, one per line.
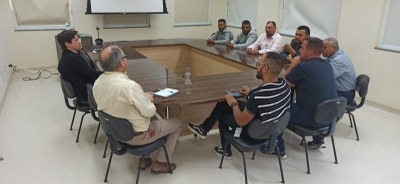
126, 6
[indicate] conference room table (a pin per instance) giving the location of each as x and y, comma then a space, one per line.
157, 64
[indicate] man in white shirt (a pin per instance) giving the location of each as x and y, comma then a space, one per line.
119, 96
270, 41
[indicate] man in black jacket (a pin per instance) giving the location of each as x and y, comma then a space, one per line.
75, 66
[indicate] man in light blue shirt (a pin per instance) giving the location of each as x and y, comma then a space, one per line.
247, 37
222, 36
343, 68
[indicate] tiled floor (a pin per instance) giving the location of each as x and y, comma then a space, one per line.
38, 147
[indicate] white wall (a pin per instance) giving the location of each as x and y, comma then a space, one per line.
358, 34
5, 72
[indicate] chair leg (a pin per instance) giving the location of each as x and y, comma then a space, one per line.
80, 127
305, 148
223, 155
244, 167
73, 118
97, 133
355, 125
280, 163
167, 157
254, 154
108, 168
351, 120
105, 149
334, 149
138, 172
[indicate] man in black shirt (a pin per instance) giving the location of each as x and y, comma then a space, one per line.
75, 66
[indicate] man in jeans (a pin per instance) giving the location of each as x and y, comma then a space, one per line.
268, 102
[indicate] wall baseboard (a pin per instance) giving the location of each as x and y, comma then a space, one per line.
383, 107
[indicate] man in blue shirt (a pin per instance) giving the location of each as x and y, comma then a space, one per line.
223, 34
343, 68
314, 82
244, 39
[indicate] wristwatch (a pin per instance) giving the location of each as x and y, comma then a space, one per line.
234, 104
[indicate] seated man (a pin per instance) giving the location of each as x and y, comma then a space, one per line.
314, 82
270, 41
121, 97
74, 67
292, 49
223, 34
343, 69
268, 102
247, 37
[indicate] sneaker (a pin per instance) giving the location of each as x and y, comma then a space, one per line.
314, 145
219, 151
196, 129
282, 154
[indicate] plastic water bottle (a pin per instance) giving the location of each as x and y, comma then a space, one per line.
188, 77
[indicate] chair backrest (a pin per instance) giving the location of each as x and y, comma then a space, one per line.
362, 88
118, 128
329, 112
260, 131
67, 88
92, 101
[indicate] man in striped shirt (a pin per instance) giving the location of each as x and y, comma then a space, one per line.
268, 102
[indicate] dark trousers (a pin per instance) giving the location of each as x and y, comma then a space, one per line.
222, 113
349, 95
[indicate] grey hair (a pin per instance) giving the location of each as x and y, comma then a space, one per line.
110, 60
333, 42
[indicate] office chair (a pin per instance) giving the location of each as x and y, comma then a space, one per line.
326, 113
362, 90
93, 108
264, 136
118, 131
68, 92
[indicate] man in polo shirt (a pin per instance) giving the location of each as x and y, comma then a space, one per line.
268, 102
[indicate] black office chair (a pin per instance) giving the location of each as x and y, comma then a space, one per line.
93, 108
264, 136
326, 113
69, 93
362, 90
120, 130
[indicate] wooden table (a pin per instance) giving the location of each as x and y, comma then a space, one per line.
160, 63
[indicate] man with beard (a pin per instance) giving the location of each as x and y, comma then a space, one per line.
247, 37
267, 102
292, 49
222, 36
270, 41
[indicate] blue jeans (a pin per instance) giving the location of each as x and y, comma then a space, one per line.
349, 95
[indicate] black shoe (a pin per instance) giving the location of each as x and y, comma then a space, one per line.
196, 129
219, 151
281, 154
315, 145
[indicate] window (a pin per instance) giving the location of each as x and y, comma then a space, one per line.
192, 12
390, 37
239, 10
41, 14
322, 17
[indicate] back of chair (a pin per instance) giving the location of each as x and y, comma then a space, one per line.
67, 88
260, 131
118, 128
92, 101
362, 88
329, 112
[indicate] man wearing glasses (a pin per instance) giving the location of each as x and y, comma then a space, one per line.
121, 97
268, 102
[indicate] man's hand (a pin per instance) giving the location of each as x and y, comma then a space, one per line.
287, 47
230, 99
209, 41
230, 45
149, 95
253, 51
245, 90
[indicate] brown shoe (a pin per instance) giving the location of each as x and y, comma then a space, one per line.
162, 167
146, 162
